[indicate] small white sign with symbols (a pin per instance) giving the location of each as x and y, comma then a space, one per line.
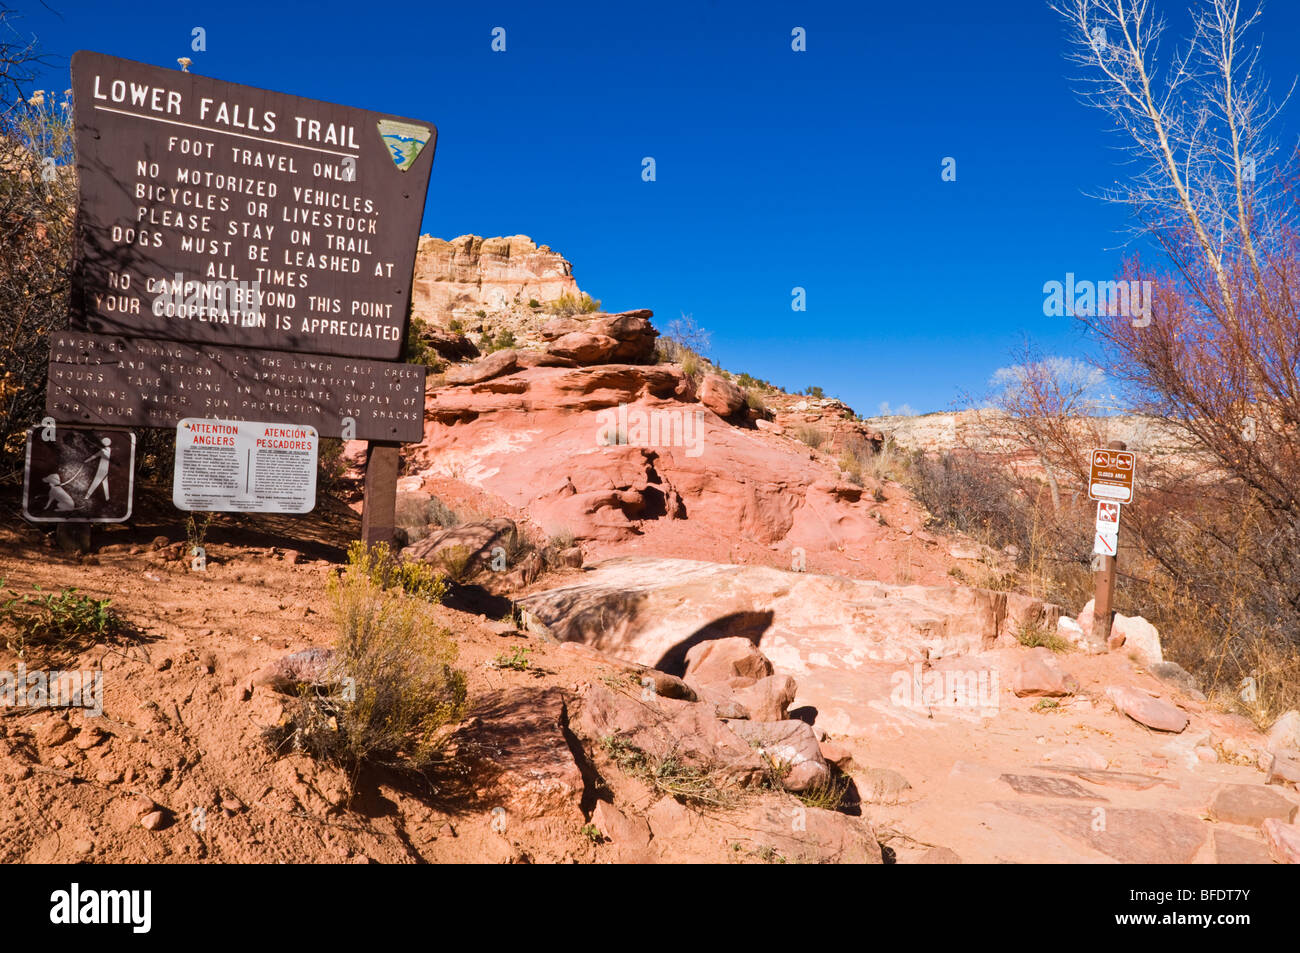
1106, 540
239, 466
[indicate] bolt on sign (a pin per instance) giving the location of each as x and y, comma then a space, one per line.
78, 475
215, 213
1111, 476
244, 467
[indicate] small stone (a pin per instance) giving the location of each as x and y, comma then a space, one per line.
87, 738
1283, 840
232, 804
108, 776
83, 846
160, 542
142, 804
1145, 710
54, 732
152, 821
162, 664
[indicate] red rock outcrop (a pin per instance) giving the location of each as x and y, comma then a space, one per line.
469, 274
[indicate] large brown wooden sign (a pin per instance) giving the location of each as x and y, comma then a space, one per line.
216, 213
133, 382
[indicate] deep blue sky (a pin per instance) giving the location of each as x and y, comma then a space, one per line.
775, 169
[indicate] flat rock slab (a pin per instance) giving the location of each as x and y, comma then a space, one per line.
1128, 780
1037, 784
1251, 805
1234, 849
881, 785
775, 830
1130, 835
521, 758
1152, 712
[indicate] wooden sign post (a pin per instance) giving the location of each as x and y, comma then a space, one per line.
379, 505
1110, 482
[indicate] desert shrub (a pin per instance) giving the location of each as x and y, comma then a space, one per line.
813, 436
38, 188
973, 496
330, 466
852, 467
692, 364
457, 563
417, 350
393, 692
504, 340
456, 325
515, 660
667, 775
827, 795
1033, 636
412, 515
440, 514
44, 622
567, 304
814, 392
389, 571
754, 401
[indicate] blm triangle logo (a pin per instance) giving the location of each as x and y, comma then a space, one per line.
405, 140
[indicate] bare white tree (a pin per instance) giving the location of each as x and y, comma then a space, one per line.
1197, 127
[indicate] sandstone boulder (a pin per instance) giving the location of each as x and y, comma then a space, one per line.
473, 542
1284, 735
496, 364
791, 747
1145, 710
1039, 675
584, 347
632, 332
721, 660
1132, 633
1283, 840
721, 396
666, 729
287, 674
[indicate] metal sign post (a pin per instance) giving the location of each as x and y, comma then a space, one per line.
1110, 482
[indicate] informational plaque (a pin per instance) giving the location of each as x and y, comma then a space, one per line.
215, 213
240, 466
1110, 477
79, 475
130, 382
